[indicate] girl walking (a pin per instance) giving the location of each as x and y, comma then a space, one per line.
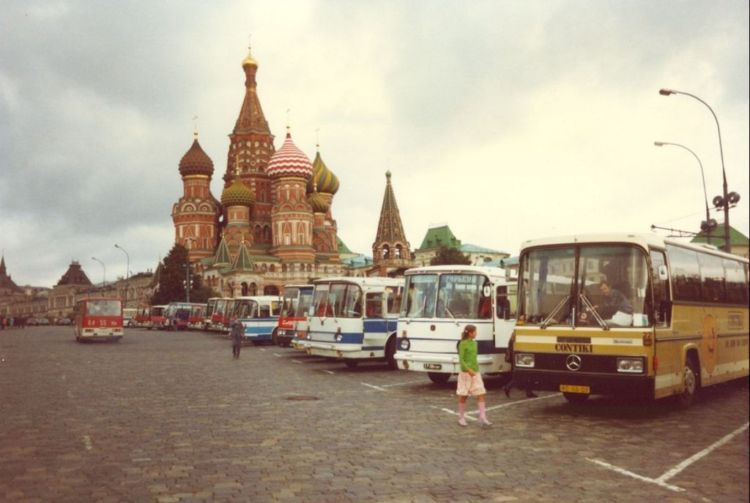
469, 379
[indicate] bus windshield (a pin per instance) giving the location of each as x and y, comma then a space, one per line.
458, 296
103, 308
290, 301
588, 285
303, 304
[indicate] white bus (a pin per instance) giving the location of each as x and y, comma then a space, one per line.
439, 302
354, 319
259, 315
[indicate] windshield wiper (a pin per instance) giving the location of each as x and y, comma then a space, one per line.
593, 311
451, 314
557, 308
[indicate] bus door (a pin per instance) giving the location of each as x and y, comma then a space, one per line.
504, 313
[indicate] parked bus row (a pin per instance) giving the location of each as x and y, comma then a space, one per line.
607, 314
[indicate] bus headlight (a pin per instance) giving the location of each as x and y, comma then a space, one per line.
525, 360
630, 365
339, 337
404, 344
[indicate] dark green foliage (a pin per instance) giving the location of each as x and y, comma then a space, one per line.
172, 275
449, 256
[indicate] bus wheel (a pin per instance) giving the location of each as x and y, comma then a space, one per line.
275, 337
438, 377
390, 353
576, 397
690, 383
351, 363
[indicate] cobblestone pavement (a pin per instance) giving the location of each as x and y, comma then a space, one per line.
170, 417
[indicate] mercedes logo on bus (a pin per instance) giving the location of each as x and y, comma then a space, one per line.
573, 362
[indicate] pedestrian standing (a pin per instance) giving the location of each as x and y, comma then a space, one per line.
470, 381
237, 334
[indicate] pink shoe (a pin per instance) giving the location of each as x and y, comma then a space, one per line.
484, 422
462, 422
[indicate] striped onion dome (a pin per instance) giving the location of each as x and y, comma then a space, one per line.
196, 162
237, 194
322, 177
318, 201
289, 161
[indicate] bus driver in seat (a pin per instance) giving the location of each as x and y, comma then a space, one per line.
614, 307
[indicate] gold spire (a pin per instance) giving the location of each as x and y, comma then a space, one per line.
249, 60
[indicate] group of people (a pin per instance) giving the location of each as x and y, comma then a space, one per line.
11, 322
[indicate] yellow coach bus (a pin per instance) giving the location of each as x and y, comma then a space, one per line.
629, 314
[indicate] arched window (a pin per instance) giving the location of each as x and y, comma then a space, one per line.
244, 288
397, 251
386, 251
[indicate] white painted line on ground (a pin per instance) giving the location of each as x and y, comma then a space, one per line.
527, 400
277, 355
662, 480
404, 383
635, 475
296, 361
328, 371
87, 442
695, 457
374, 387
468, 415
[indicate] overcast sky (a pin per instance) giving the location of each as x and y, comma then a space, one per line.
507, 120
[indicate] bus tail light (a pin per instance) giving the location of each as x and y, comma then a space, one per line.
525, 360
656, 363
647, 339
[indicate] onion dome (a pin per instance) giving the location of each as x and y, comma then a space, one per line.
319, 202
196, 162
289, 161
322, 177
237, 194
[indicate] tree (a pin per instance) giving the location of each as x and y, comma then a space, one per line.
449, 256
172, 276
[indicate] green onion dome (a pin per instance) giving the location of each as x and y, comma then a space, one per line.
237, 194
319, 202
196, 162
323, 177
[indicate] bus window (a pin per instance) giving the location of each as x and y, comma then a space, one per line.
736, 282
712, 278
660, 280
337, 297
374, 305
393, 299
353, 305
264, 311
686, 273
420, 296
320, 301
504, 310
275, 308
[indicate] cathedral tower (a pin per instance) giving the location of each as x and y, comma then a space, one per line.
320, 191
390, 249
237, 199
195, 214
251, 147
291, 215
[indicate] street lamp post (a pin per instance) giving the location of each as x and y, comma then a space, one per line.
104, 270
727, 198
127, 272
709, 224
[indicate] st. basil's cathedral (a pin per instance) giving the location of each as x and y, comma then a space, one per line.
273, 224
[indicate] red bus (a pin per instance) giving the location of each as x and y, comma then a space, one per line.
98, 319
296, 301
156, 317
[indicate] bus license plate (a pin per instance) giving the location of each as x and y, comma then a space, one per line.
568, 388
432, 366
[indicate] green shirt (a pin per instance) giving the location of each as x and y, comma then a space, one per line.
467, 355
